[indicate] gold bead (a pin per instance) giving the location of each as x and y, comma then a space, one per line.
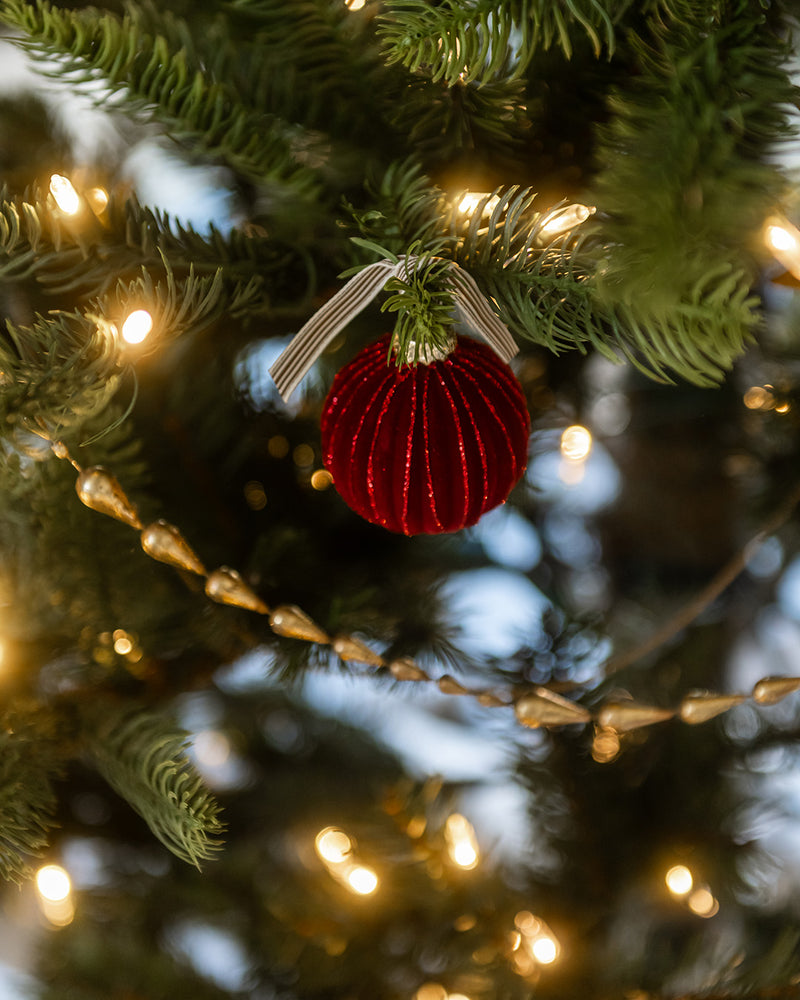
163, 541
449, 685
100, 491
623, 716
405, 669
492, 700
700, 706
289, 620
347, 647
771, 690
226, 586
541, 707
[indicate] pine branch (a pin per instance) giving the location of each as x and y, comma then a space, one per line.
27, 801
456, 41
143, 759
686, 144
157, 75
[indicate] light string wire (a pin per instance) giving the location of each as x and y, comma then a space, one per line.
536, 706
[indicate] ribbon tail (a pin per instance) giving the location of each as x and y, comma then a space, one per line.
294, 363
474, 308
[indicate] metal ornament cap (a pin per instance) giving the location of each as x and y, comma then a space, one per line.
700, 706
162, 541
347, 647
541, 707
100, 491
226, 586
291, 621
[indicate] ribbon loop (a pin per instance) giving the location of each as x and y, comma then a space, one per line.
310, 341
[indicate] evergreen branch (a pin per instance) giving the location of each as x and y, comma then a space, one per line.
27, 800
424, 306
685, 145
35, 243
153, 76
58, 372
454, 41
143, 758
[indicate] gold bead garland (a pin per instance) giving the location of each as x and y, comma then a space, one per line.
536, 707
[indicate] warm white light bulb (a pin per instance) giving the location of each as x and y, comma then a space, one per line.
333, 845
564, 219
576, 443
362, 880
679, 880
137, 326
65, 195
544, 950
52, 883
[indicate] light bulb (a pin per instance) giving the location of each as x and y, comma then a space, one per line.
333, 845
461, 843
53, 883
702, 903
137, 326
65, 195
783, 239
679, 880
544, 950
576, 443
472, 199
362, 880
564, 219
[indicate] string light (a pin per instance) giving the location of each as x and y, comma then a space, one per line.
98, 199
462, 845
54, 889
362, 880
702, 902
533, 944
137, 326
564, 219
64, 194
354, 4
333, 845
679, 880
576, 443
783, 240
471, 200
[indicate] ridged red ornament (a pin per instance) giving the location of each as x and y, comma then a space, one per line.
428, 448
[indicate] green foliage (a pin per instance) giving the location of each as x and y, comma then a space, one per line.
424, 305
684, 185
455, 41
28, 764
161, 76
143, 759
58, 372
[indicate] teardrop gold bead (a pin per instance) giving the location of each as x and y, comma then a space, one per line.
771, 690
226, 586
492, 700
290, 621
404, 669
700, 706
347, 647
449, 685
100, 491
541, 707
623, 716
163, 541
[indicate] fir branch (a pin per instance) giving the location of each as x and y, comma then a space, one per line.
684, 146
456, 41
155, 76
58, 372
143, 758
27, 801
424, 306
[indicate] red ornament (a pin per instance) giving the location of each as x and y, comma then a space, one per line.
427, 448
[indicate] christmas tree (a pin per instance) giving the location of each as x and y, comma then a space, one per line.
399, 443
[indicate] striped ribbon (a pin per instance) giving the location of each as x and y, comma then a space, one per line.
311, 340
